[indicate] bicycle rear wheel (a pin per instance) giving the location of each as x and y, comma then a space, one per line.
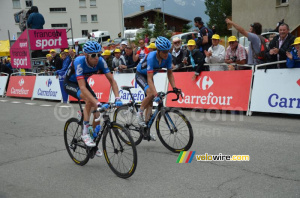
74, 145
174, 130
126, 116
120, 156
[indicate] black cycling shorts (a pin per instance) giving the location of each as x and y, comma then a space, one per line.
72, 88
142, 81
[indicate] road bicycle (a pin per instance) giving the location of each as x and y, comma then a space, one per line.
173, 128
118, 146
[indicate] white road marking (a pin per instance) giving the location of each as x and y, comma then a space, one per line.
3, 100
45, 105
15, 102
65, 106
30, 103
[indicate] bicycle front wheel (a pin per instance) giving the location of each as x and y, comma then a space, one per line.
120, 155
73, 142
126, 116
174, 130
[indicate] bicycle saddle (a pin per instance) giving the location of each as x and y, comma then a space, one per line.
126, 87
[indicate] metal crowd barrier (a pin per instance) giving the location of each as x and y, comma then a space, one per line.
22, 73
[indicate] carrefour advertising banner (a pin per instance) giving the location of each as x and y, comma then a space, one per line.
19, 53
160, 81
224, 90
100, 85
48, 39
21, 86
277, 91
47, 87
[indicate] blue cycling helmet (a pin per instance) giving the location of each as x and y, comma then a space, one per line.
91, 47
162, 43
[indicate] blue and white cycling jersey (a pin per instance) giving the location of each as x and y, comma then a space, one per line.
150, 64
82, 70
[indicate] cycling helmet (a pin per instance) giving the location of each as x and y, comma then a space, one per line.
91, 47
162, 43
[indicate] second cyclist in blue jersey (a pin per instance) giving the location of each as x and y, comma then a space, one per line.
77, 86
146, 69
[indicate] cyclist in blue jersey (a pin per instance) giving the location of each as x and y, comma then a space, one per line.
147, 68
77, 86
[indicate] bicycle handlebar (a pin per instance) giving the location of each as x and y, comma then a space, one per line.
162, 94
103, 109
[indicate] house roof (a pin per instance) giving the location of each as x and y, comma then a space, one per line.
154, 10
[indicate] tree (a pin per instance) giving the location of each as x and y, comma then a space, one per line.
159, 26
186, 28
216, 9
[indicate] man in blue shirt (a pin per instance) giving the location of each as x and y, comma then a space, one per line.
147, 68
77, 86
35, 19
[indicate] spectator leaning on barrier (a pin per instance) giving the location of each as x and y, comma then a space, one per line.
216, 54
293, 57
279, 45
142, 52
256, 41
108, 58
178, 54
129, 60
204, 35
118, 60
56, 61
194, 58
35, 19
235, 54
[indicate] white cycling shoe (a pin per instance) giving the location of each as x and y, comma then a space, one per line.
99, 153
88, 140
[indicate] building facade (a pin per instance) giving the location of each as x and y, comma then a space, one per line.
268, 13
86, 15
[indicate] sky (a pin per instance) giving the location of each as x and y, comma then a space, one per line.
187, 9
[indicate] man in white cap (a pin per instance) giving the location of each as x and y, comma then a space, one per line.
77, 48
122, 47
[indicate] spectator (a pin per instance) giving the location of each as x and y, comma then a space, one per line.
63, 55
178, 54
151, 47
129, 60
293, 57
215, 54
123, 47
204, 35
256, 41
56, 61
146, 39
194, 58
118, 60
35, 19
67, 52
280, 45
235, 53
142, 52
81, 53
49, 58
72, 54
6, 67
108, 58
77, 48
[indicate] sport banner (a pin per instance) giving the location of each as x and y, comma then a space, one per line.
47, 87
128, 79
48, 39
3, 82
276, 91
224, 90
100, 85
21, 86
19, 53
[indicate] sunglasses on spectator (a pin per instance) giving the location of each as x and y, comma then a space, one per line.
94, 55
141, 43
165, 51
177, 42
231, 43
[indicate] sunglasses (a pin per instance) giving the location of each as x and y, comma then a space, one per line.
141, 43
94, 55
165, 51
177, 42
231, 43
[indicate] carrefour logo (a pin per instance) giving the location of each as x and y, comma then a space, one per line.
133, 83
205, 83
49, 82
21, 82
91, 82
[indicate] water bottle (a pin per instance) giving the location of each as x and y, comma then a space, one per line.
90, 130
97, 131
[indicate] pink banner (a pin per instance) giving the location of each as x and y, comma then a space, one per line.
19, 53
48, 39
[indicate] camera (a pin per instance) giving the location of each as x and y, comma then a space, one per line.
233, 58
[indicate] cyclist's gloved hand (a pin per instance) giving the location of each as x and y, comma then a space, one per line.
157, 99
99, 104
176, 90
118, 102
105, 106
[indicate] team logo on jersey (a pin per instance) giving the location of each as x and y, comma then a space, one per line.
79, 69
